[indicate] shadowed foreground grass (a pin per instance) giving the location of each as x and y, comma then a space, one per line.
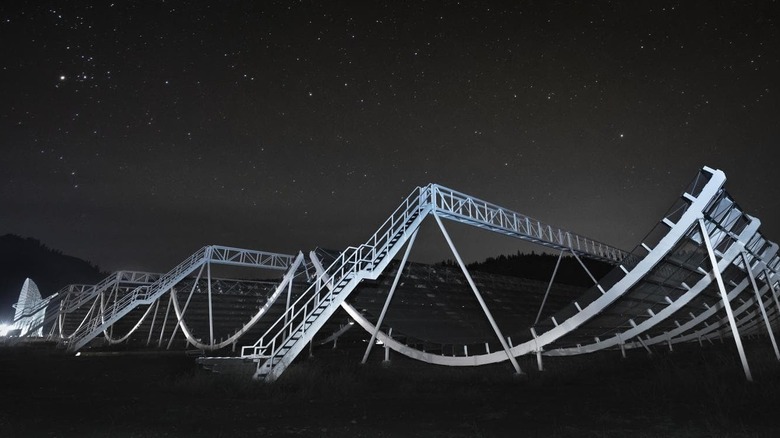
690, 392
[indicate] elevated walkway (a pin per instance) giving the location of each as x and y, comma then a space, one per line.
147, 294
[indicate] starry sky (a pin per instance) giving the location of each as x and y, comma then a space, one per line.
133, 133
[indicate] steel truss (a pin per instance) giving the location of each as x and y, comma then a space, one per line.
148, 294
706, 257
289, 334
705, 222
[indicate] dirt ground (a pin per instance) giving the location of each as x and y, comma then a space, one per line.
691, 392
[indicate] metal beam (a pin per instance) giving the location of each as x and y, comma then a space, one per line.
479, 297
390, 295
724, 297
760, 301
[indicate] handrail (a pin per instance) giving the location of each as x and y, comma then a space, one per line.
469, 208
349, 265
140, 293
146, 294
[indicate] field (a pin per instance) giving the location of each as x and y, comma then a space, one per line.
686, 393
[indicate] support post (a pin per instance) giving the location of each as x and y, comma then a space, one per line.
151, 326
649, 351
485, 309
539, 360
165, 320
749, 269
587, 271
184, 309
387, 349
772, 289
389, 296
537, 349
211, 313
725, 298
287, 305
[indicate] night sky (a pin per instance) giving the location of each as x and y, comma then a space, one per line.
134, 133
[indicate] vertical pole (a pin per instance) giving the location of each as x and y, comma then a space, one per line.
387, 349
389, 296
485, 309
623, 349
537, 349
289, 295
539, 360
587, 271
184, 309
649, 351
154, 318
549, 286
211, 311
725, 298
774, 291
113, 310
749, 270
165, 320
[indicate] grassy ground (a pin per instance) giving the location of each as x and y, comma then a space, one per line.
690, 392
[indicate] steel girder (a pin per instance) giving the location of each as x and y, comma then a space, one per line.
148, 294
732, 232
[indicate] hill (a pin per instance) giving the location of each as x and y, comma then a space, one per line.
540, 267
50, 269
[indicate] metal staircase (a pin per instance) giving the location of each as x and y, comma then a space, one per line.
147, 294
289, 334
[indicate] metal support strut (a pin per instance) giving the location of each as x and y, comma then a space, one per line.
725, 298
389, 296
485, 309
760, 301
549, 286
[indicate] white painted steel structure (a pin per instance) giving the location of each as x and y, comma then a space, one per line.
704, 271
287, 337
111, 312
72, 297
668, 290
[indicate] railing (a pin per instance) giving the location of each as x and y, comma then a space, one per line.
146, 294
360, 262
465, 208
137, 296
351, 264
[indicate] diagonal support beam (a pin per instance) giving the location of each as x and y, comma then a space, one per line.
771, 284
390, 296
485, 309
186, 305
211, 311
549, 286
724, 297
587, 271
165, 320
760, 301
